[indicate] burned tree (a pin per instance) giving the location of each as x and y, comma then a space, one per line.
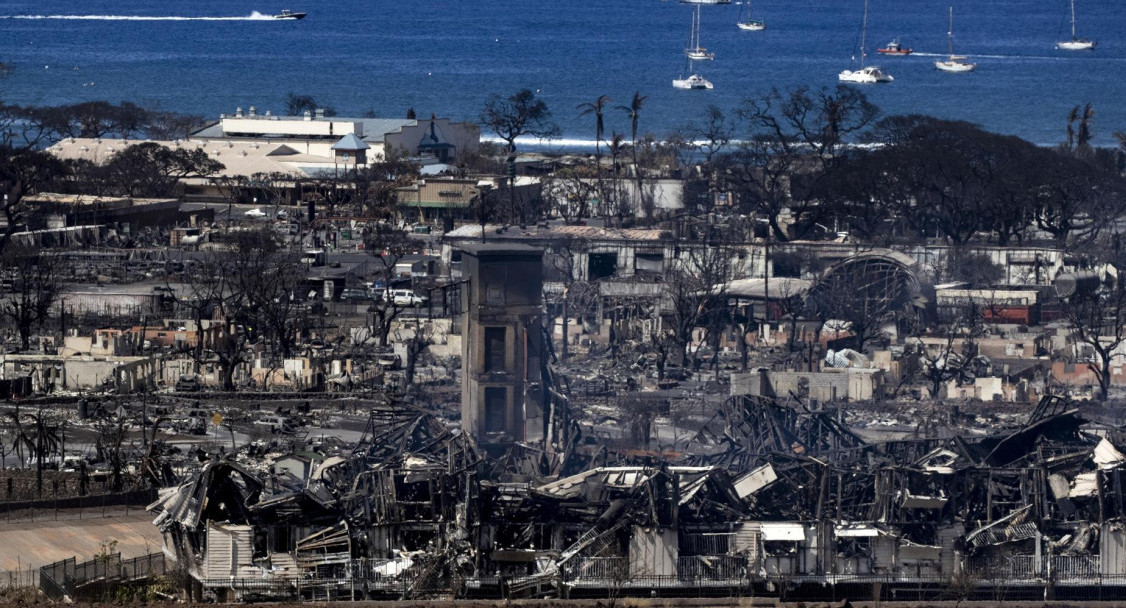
387, 245
1097, 318
695, 283
271, 281
865, 292
794, 142
34, 289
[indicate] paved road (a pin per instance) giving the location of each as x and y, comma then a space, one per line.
26, 545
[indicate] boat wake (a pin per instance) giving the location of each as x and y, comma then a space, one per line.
254, 16
1013, 57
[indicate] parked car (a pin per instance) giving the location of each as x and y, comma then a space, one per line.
354, 295
406, 297
188, 383
275, 425
388, 361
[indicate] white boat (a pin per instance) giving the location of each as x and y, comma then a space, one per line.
746, 23
288, 14
705, 1
953, 63
1076, 43
866, 74
693, 81
694, 50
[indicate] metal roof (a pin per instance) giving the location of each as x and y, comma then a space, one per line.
350, 143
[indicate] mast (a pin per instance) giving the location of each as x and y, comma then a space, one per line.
950, 33
1073, 19
864, 32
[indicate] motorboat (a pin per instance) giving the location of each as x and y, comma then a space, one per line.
895, 48
694, 81
288, 14
869, 74
1076, 43
705, 1
953, 63
865, 74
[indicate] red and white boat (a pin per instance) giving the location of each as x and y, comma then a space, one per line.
895, 48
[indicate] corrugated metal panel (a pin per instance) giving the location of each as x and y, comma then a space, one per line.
219, 562
748, 540
1112, 549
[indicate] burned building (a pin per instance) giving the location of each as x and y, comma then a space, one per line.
503, 393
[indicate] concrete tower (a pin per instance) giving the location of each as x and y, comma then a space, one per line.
502, 344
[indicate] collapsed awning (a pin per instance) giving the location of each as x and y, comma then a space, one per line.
783, 531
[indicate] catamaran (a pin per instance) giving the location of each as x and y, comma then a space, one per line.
953, 63
692, 80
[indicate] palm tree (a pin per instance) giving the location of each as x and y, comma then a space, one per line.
40, 439
595, 108
634, 109
1079, 139
1083, 137
1072, 116
615, 144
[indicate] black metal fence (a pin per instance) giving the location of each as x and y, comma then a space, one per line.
792, 589
77, 507
70, 578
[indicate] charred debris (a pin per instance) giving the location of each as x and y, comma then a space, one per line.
768, 499
522, 498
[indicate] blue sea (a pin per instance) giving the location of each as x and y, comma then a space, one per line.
447, 56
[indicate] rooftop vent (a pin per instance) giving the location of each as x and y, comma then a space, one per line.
268, 113
320, 113
308, 115
238, 112
253, 111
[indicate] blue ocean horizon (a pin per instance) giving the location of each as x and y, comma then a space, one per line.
447, 57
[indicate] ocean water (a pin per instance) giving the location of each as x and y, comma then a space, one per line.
448, 56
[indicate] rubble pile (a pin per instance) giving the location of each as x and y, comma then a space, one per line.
768, 498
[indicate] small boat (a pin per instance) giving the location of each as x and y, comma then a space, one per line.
894, 48
705, 1
288, 14
694, 81
1076, 43
866, 74
747, 24
694, 50
953, 63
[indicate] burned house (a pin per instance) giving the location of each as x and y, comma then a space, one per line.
770, 497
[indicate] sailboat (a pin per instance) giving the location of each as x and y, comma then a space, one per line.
866, 74
953, 63
692, 80
694, 50
1076, 43
748, 24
